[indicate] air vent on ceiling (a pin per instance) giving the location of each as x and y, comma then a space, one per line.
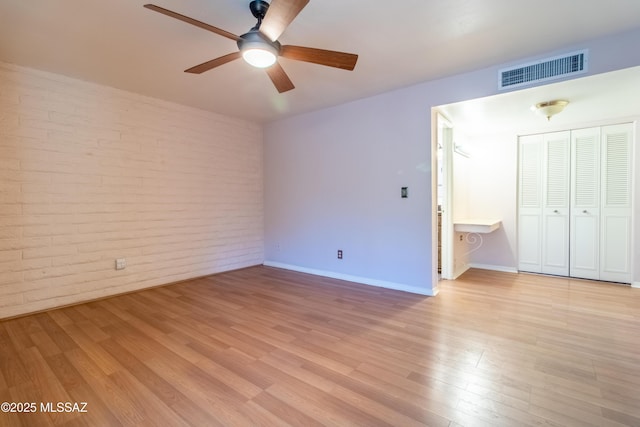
543, 70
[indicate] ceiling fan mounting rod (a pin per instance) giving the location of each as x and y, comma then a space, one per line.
259, 10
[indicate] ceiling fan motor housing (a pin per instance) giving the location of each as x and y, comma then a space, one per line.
255, 40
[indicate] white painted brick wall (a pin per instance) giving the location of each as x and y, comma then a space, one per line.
89, 174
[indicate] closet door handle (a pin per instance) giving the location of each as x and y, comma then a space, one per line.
556, 211
585, 211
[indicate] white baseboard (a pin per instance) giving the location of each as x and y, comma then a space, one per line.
635, 285
494, 268
461, 271
355, 279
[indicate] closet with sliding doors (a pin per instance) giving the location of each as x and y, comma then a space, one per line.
575, 203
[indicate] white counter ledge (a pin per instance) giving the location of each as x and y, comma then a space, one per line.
476, 225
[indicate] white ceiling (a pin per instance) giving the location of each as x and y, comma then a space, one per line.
121, 44
594, 99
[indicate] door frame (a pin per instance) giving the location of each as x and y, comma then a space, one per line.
442, 136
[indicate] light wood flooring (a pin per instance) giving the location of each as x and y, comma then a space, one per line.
267, 347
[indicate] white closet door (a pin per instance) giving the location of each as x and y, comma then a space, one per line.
530, 204
555, 212
585, 203
615, 236
575, 203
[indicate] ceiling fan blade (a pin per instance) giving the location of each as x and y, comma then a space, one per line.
206, 66
330, 58
279, 78
279, 15
192, 21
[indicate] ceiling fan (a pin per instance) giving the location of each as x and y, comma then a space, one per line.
260, 47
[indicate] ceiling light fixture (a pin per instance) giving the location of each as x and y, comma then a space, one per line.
257, 50
550, 108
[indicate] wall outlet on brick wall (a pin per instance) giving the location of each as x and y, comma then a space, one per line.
121, 263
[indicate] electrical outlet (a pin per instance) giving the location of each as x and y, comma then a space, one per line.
339, 253
121, 263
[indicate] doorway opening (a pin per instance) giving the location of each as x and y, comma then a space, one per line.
489, 129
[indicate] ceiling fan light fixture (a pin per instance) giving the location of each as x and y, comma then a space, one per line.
260, 57
549, 109
257, 51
